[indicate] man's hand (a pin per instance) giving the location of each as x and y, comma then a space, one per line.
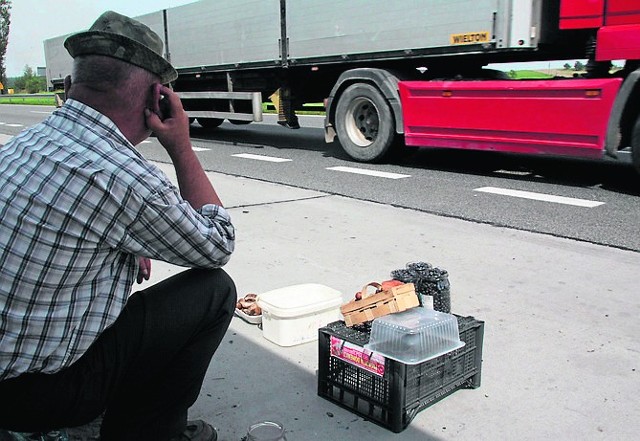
172, 131
171, 123
144, 269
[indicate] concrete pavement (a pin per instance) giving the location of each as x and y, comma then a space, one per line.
561, 347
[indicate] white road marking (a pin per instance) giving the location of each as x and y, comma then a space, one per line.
5, 138
146, 141
13, 125
541, 197
361, 171
40, 111
199, 149
513, 172
261, 157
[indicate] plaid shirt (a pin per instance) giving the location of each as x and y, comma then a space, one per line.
78, 205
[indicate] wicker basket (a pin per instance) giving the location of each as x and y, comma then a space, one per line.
382, 302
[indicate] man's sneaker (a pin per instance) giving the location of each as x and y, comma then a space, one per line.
197, 430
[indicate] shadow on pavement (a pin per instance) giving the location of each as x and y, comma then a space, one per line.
251, 379
616, 177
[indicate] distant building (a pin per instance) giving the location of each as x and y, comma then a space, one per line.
41, 71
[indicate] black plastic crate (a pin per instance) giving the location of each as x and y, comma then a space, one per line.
393, 398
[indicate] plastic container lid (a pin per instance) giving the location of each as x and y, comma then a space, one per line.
415, 335
295, 300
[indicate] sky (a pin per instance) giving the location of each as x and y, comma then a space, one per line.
33, 21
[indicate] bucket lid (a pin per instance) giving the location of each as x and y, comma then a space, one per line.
302, 299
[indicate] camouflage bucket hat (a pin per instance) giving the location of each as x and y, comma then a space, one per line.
126, 39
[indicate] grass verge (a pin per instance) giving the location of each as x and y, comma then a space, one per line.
47, 100
530, 75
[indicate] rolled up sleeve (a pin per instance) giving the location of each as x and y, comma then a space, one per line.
166, 227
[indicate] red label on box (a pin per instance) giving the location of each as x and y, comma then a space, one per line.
357, 356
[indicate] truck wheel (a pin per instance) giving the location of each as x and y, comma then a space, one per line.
364, 123
635, 146
239, 122
210, 123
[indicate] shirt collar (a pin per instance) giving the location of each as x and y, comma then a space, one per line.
87, 116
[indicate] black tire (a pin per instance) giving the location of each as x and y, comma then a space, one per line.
239, 122
635, 146
210, 123
364, 123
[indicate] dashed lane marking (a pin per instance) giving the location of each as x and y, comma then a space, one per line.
195, 149
513, 172
362, 171
541, 197
10, 124
261, 157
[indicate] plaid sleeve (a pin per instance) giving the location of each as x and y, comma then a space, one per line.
166, 227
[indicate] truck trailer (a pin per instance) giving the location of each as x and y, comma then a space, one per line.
410, 72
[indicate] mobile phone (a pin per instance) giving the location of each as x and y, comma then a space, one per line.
164, 108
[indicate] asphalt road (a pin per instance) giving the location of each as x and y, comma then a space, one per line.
584, 200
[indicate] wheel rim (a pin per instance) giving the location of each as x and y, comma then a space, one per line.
362, 122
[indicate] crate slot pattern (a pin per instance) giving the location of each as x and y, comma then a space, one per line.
394, 399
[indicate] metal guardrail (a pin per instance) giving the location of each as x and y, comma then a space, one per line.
33, 98
28, 95
254, 97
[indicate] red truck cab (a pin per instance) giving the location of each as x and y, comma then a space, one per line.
593, 116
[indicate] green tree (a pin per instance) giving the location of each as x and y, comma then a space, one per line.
566, 66
29, 82
37, 84
20, 83
5, 20
578, 66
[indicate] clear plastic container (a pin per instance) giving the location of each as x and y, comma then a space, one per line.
415, 335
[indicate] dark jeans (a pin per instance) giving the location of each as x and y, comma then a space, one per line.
143, 372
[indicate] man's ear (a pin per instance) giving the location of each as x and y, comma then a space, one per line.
67, 85
155, 98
